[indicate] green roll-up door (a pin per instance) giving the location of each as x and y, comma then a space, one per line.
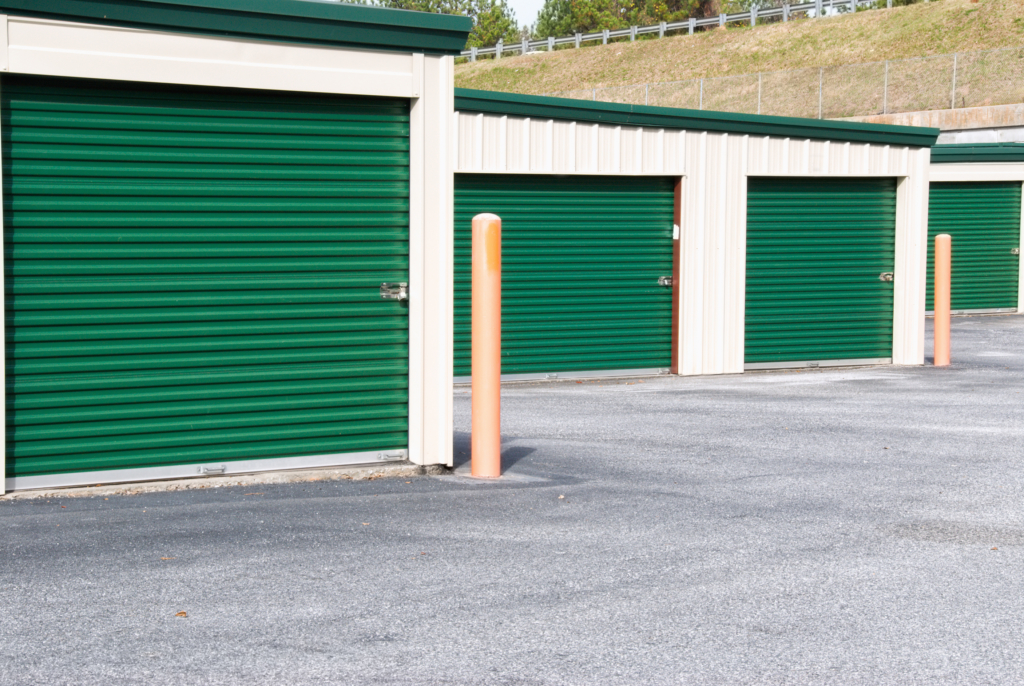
581, 259
984, 221
816, 249
193, 275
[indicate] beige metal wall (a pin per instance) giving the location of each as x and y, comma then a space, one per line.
514, 145
61, 48
715, 168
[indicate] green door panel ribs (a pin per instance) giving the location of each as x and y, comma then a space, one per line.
193, 274
581, 259
816, 249
984, 221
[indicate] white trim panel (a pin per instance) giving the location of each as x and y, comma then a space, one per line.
498, 144
432, 307
55, 48
910, 271
3, 57
114, 476
967, 171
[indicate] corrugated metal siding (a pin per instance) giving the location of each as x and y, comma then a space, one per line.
495, 144
815, 250
192, 274
984, 221
581, 258
499, 144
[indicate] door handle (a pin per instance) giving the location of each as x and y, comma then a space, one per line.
885, 276
394, 291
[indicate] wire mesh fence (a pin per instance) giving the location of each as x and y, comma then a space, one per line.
921, 84
992, 77
963, 79
792, 93
733, 93
684, 94
851, 90
628, 95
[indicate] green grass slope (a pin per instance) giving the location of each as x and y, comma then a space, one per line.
934, 28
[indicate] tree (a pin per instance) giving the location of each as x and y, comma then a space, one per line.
493, 20
434, 6
555, 19
566, 17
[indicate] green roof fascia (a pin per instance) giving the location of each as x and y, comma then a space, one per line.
978, 152
294, 21
491, 102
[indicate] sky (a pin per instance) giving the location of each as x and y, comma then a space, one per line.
526, 10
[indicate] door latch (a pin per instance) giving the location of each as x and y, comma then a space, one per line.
1015, 251
664, 280
390, 456
885, 276
394, 291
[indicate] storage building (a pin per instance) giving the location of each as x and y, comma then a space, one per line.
976, 198
646, 239
202, 201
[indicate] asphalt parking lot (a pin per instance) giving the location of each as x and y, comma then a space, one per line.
859, 526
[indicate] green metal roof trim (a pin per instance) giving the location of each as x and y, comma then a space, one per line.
294, 21
700, 120
978, 152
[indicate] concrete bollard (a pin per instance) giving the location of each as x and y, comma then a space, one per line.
485, 443
943, 272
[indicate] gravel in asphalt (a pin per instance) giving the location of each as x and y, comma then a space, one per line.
850, 526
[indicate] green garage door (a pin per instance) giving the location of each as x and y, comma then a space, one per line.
984, 221
581, 259
192, 275
816, 249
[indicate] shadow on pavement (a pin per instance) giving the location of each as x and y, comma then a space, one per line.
509, 455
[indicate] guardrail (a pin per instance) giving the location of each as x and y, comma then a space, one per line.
821, 8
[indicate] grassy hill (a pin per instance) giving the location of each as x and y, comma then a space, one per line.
934, 28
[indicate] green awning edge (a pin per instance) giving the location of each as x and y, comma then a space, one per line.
294, 21
491, 102
978, 152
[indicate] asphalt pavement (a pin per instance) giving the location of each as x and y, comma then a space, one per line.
852, 526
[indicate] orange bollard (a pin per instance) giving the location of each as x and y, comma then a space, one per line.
485, 443
943, 271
